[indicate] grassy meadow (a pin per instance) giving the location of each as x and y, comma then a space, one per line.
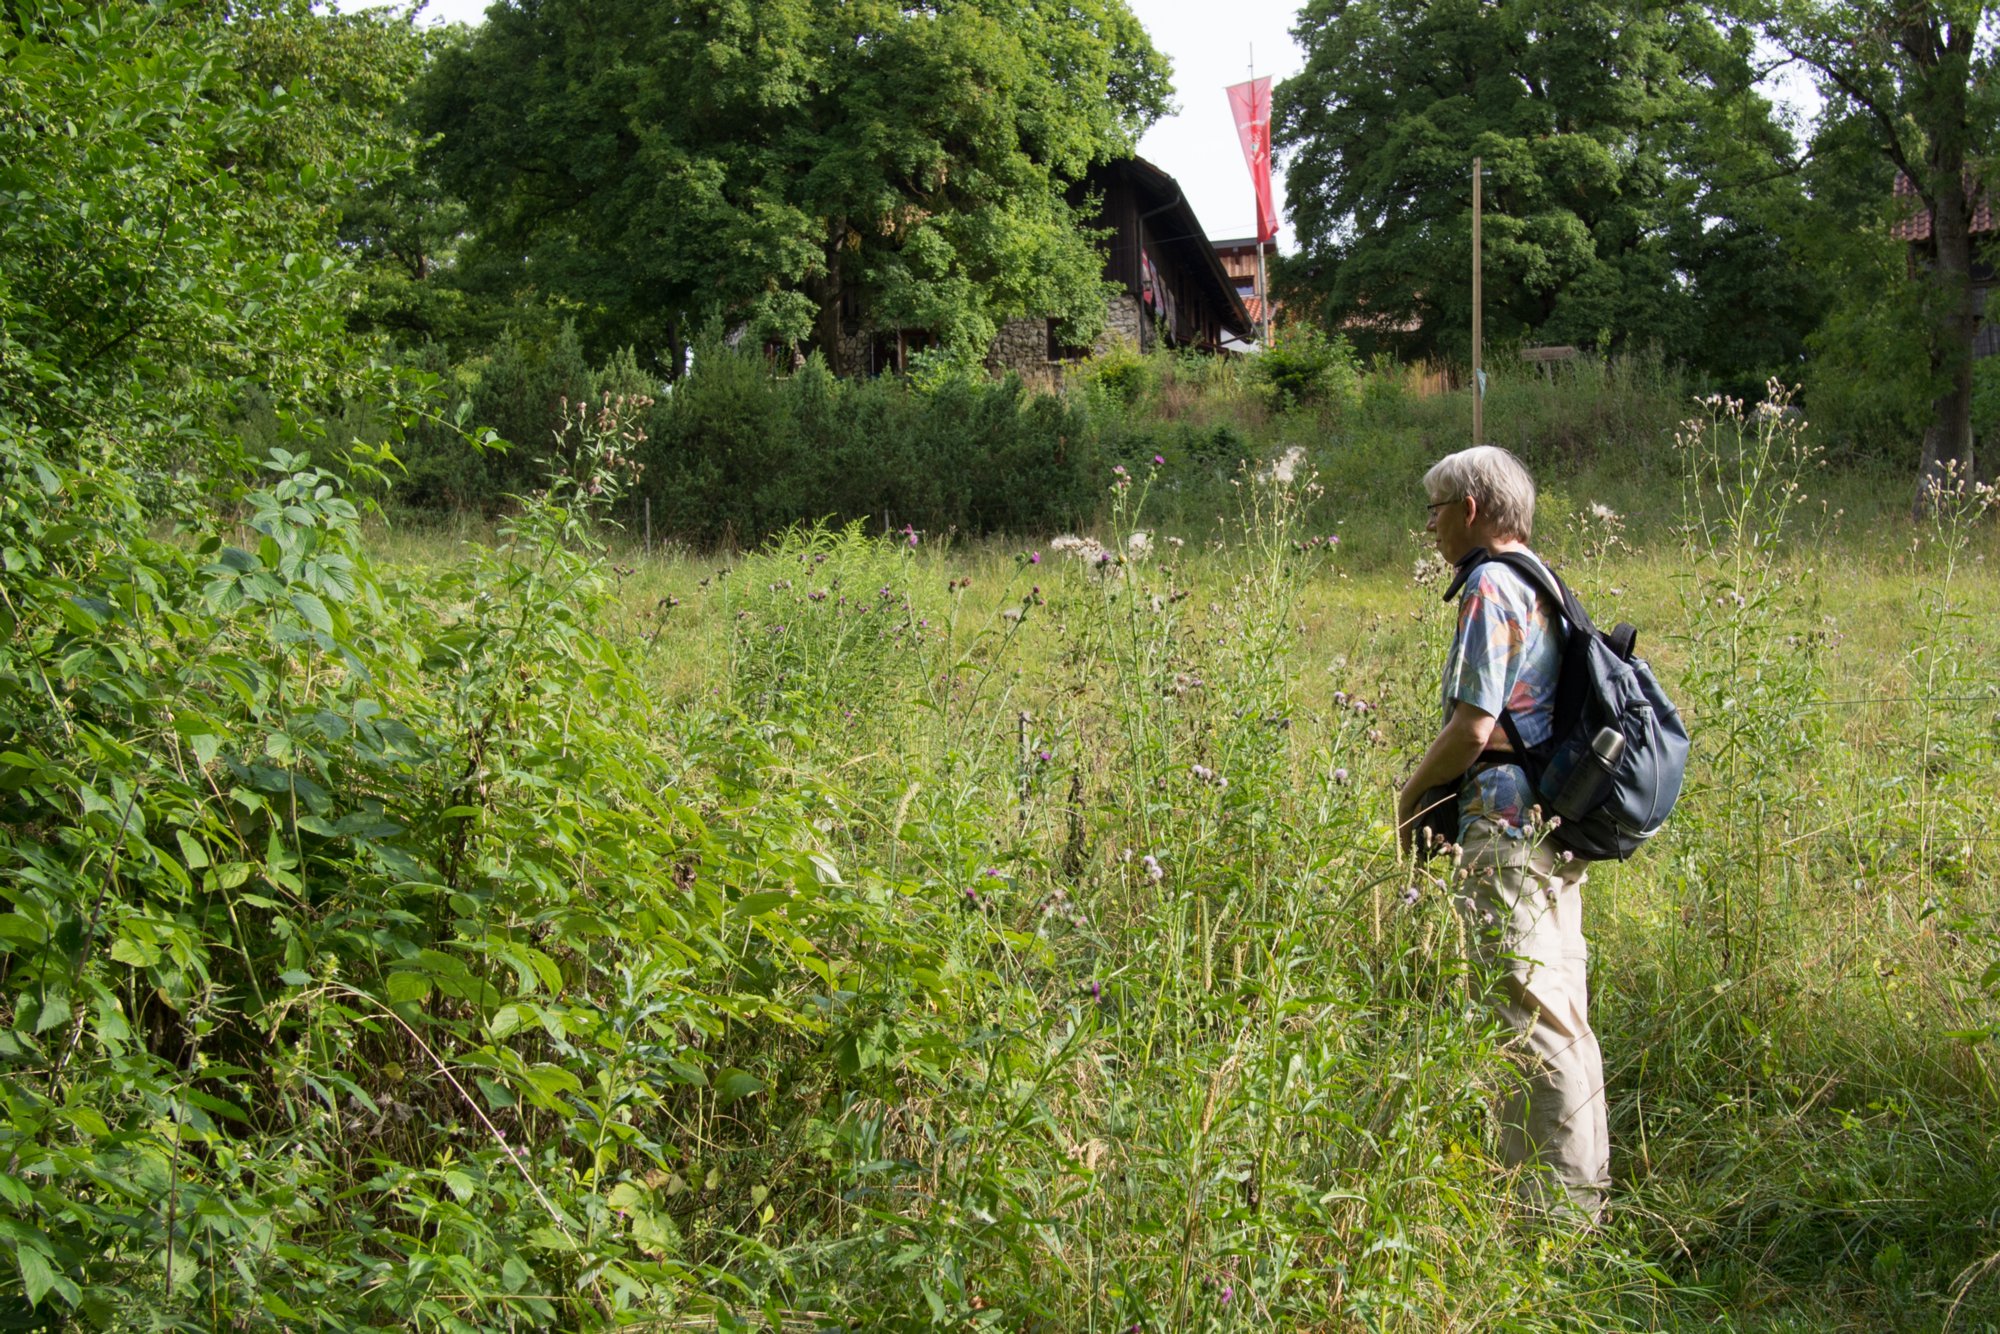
1138, 1021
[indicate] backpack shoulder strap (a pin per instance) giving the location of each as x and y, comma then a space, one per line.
1540, 576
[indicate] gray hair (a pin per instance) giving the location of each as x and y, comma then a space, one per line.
1494, 478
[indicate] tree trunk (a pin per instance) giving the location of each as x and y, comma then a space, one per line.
1947, 454
1939, 96
826, 291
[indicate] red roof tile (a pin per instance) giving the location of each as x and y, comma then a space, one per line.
1916, 224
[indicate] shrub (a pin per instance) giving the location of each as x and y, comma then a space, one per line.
1122, 372
1304, 368
516, 391
739, 452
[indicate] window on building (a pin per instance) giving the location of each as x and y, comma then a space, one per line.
890, 350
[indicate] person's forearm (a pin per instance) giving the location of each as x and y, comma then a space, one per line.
1452, 751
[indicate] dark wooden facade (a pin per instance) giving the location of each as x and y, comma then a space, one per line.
1159, 255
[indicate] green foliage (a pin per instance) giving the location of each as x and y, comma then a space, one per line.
1304, 368
327, 913
165, 178
647, 162
1925, 100
1614, 142
738, 451
826, 622
522, 393
1122, 373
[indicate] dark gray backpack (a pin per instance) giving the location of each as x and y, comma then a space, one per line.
1613, 764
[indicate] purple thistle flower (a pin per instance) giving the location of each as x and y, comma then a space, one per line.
1159, 459
1034, 558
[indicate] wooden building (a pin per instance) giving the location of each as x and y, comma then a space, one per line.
1171, 286
1239, 259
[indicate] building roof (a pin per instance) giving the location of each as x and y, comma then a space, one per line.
1916, 223
1179, 232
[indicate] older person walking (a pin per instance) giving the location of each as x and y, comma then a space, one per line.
1520, 895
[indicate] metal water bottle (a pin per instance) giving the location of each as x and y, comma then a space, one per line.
1608, 745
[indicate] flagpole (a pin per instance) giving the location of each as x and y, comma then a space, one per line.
1263, 282
1253, 127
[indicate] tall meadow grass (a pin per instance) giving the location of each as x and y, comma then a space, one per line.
1141, 1023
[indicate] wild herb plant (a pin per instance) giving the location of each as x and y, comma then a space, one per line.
1753, 678
827, 620
1941, 780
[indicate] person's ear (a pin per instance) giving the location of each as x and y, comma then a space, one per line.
1471, 511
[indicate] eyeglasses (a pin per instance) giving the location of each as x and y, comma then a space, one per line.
1435, 506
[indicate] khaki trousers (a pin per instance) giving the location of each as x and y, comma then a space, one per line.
1523, 907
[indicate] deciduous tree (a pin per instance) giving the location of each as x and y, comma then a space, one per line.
169, 180
650, 162
1630, 162
1921, 72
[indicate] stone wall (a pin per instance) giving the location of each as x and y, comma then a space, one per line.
1022, 346
854, 352
1125, 319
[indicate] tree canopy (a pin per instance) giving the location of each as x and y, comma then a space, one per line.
1631, 176
651, 163
1917, 78
168, 181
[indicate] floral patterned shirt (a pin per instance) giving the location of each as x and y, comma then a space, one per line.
1506, 655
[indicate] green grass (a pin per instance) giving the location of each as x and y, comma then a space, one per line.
1249, 1093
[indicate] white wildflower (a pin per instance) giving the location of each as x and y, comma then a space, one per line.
1285, 468
1096, 557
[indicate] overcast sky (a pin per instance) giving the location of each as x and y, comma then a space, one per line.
1211, 46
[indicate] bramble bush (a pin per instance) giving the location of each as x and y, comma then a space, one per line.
380, 954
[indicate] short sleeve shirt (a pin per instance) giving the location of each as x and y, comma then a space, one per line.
1506, 655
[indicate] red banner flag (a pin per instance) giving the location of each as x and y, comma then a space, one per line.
1252, 104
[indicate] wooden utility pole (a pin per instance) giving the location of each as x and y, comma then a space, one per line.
1478, 388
